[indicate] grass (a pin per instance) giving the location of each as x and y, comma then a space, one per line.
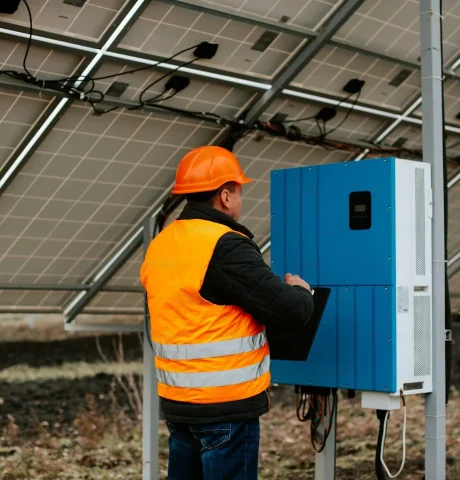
69, 371
97, 436
107, 445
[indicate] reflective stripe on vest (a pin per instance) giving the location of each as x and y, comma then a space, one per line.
212, 349
214, 379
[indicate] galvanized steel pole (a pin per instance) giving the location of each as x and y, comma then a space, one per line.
325, 462
431, 55
150, 405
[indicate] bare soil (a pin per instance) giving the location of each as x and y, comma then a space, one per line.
64, 416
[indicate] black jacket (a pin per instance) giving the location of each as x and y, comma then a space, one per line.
238, 275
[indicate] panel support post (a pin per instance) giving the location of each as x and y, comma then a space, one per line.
325, 461
150, 404
432, 129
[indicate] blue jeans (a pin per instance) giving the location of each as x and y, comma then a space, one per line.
222, 451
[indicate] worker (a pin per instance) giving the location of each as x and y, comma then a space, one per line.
210, 297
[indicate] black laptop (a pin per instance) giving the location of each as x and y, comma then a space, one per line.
295, 343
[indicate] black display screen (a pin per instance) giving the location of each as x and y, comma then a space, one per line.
360, 210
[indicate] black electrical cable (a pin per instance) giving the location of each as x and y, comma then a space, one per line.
127, 72
321, 131
448, 311
143, 102
24, 61
12, 73
303, 414
350, 110
160, 98
295, 120
56, 84
379, 471
321, 414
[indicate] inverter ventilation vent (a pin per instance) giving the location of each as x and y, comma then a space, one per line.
420, 219
422, 335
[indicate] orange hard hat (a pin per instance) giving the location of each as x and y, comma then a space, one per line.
207, 168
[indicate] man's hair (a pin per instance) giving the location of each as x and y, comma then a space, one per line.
208, 198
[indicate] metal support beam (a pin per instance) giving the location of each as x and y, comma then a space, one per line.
303, 57
265, 246
103, 327
121, 55
108, 100
77, 305
50, 116
288, 93
61, 42
150, 404
453, 181
58, 311
435, 403
453, 265
77, 287
115, 262
58, 107
451, 272
325, 462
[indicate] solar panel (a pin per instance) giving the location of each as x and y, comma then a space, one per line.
82, 191
333, 67
164, 29
85, 187
87, 21
129, 273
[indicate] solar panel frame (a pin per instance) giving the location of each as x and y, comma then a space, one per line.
94, 145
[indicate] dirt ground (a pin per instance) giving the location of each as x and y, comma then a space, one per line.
64, 415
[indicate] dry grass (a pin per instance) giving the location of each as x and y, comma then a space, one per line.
108, 446
103, 440
70, 371
48, 328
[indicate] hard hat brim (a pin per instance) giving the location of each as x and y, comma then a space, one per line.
209, 187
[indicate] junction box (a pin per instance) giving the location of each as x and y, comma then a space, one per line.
362, 229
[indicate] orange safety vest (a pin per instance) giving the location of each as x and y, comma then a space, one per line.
204, 353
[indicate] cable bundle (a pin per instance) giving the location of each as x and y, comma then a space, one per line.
318, 408
83, 87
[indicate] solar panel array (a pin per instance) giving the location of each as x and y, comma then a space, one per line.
83, 183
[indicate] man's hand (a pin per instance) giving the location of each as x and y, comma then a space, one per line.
296, 280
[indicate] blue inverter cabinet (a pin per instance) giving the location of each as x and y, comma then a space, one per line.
362, 229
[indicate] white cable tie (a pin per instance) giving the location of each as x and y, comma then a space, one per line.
432, 12
434, 77
404, 445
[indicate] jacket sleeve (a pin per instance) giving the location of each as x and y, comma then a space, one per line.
238, 275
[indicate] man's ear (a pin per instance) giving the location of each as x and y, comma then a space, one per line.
225, 197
